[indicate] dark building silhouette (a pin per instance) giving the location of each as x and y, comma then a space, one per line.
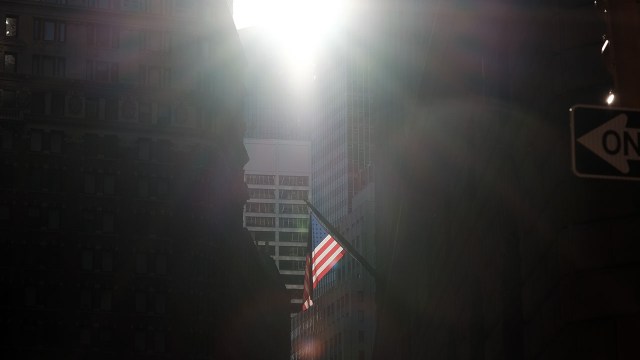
122, 187
491, 248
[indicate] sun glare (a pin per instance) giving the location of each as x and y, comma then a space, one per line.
298, 28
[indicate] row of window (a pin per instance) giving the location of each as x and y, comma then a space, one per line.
261, 221
92, 220
50, 180
96, 70
283, 194
282, 180
102, 146
255, 207
102, 260
284, 236
143, 6
105, 36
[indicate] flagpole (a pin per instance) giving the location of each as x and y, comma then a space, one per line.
345, 245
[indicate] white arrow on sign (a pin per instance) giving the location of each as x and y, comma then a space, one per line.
614, 142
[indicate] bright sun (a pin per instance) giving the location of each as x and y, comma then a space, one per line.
297, 27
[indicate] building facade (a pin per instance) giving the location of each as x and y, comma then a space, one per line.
491, 248
341, 323
273, 109
276, 215
122, 185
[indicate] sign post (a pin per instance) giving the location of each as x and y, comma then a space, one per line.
605, 142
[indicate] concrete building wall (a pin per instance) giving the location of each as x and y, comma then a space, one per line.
491, 247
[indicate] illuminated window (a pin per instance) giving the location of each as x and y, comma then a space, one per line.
11, 26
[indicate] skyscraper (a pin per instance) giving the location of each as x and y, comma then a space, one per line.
340, 324
122, 187
276, 215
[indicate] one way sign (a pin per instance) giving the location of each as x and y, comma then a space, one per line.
605, 142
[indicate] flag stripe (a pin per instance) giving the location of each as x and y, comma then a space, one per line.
320, 257
318, 266
326, 257
320, 273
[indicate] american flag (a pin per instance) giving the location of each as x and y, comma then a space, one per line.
326, 253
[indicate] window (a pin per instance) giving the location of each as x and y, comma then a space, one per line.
108, 220
55, 140
107, 261
87, 259
49, 30
10, 62
54, 219
89, 183
260, 221
103, 71
7, 138
144, 112
141, 302
8, 98
11, 26
293, 209
109, 184
260, 179
261, 194
294, 180
105, 300
293, 194
293, 236
50, 66
141, 263
91, 105
160, 303
293, 223
99, 4
164, 114
36, 141
159, 341
161, 264
254, 207
133, 5
157, 41
140, 341
155, 75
